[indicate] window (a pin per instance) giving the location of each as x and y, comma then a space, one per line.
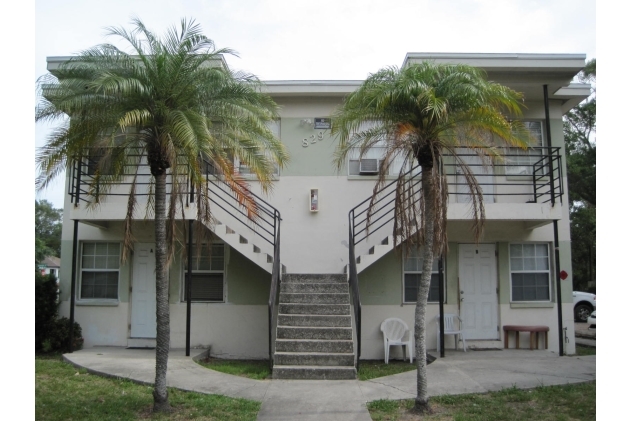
207, 274
520, 162
100, 265
242, 169
372, 160
412, 267
530, 272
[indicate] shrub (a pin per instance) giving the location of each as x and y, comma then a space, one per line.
58, 336
45, 306
51, 333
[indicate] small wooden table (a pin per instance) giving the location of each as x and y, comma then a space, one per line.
532, 329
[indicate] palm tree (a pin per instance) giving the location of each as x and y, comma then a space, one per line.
169, 103
420, 114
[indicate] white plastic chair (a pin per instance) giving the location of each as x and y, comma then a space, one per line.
394, 333
450, 329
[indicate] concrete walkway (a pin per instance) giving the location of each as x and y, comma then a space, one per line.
457, 373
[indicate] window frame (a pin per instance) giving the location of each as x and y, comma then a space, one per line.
83, 270
244, 171
415, 272
377, 152
511, 271
528, 155
211, 271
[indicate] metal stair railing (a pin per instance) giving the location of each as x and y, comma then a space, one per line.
262, 218
544, 175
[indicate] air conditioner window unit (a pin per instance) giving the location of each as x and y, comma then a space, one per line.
369, 166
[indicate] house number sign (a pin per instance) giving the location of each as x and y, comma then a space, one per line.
312, 139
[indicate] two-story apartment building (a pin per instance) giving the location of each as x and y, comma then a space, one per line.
508, 278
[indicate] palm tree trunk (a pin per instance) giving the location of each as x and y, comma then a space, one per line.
421, 403
160, 393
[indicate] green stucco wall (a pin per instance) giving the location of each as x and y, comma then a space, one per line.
314, 160
246, 283
382, 282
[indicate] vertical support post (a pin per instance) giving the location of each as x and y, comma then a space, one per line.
73, 282
441, 308
549, 136
189, 282
557, 270
78, 184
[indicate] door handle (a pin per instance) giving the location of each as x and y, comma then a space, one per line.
462, 299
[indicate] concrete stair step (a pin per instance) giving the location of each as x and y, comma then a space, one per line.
314, 345
314, 309
316, 298
315, 278
314, 320
302, 332
319, 287
314, 359
314, 372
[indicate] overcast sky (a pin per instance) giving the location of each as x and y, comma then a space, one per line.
325, 39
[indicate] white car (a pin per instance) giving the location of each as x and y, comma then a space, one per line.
591, 320
584, 305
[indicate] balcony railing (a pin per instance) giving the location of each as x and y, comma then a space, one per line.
532, 176
259, 217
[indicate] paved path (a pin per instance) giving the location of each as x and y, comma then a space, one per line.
457, 373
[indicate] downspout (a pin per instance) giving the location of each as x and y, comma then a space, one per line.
558, 284
441, 308
189, 282
73, 282
555, 223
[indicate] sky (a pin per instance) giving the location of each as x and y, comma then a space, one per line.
325, 39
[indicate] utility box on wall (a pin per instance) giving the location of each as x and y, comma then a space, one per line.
314, 202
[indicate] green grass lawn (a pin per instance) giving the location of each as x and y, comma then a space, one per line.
585, 350
576, 402
63, 392
371, 369
253, 369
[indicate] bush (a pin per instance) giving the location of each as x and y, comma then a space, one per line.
45, 306
51, 334
58, 336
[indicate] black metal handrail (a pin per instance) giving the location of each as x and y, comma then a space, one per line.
261, 217
533, 176
539, 168
354, 288
272, 302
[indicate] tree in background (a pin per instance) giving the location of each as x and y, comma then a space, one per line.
579, 127
47, 230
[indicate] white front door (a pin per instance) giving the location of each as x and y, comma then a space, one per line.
478, 290
483, 175
143, 293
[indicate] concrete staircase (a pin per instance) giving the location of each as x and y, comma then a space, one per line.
314, 334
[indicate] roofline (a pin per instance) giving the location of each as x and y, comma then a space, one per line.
313, 87
517, 56
56, 61
507, 61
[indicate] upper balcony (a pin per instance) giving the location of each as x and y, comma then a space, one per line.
523, 187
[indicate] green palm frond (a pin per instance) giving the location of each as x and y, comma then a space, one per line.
420, 113
168, 100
